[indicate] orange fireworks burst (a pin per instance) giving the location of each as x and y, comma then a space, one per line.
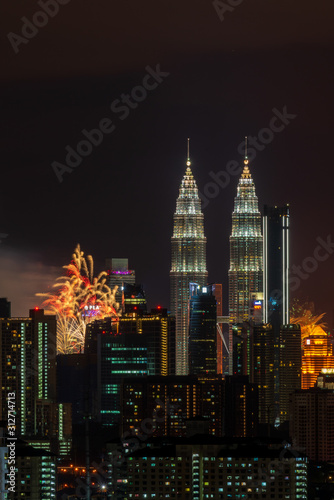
79, 298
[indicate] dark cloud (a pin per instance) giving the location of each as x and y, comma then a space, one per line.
22, 276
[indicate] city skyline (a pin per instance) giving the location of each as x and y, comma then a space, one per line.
48, 281
210, 373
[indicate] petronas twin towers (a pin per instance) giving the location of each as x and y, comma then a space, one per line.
188, 260
189, 255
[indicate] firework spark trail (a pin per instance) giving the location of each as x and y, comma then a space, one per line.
78, 299
310, 323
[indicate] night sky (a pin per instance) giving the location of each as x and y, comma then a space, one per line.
225, 78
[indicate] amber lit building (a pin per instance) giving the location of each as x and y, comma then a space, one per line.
317, 353
170, 402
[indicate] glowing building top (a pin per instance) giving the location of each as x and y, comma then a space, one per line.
246, 251
188, 260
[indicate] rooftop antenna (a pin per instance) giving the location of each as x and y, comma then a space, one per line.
188, 156
246, 157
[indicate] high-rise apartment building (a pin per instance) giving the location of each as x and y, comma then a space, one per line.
36, 473
161, 406
188, 260
312, 423
28, 365
202, 331
246, 252
158, 327
206, 467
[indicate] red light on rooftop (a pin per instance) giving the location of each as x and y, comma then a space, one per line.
159, 307
135, 308
36, 308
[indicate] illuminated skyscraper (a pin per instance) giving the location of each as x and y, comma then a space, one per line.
202, 332
119, 274
246, 251
188, 260
276, 251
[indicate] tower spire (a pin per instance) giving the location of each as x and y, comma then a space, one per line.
188, 156
246, 174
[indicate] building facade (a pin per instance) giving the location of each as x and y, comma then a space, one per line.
262, 372
217, 290
188, 261
203, 467
118, 275
161, 406
317, 354
241, 407
276, 265
36, 473
246, 252
202, 332
118, 356
290, 367
28, 365
312, 423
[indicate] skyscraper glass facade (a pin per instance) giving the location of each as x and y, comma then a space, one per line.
246, 251
188, 261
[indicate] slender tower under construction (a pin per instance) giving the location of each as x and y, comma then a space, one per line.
188, 261
246, 252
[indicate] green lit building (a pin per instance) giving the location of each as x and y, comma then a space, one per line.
35, 474
28, 366
118, 356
